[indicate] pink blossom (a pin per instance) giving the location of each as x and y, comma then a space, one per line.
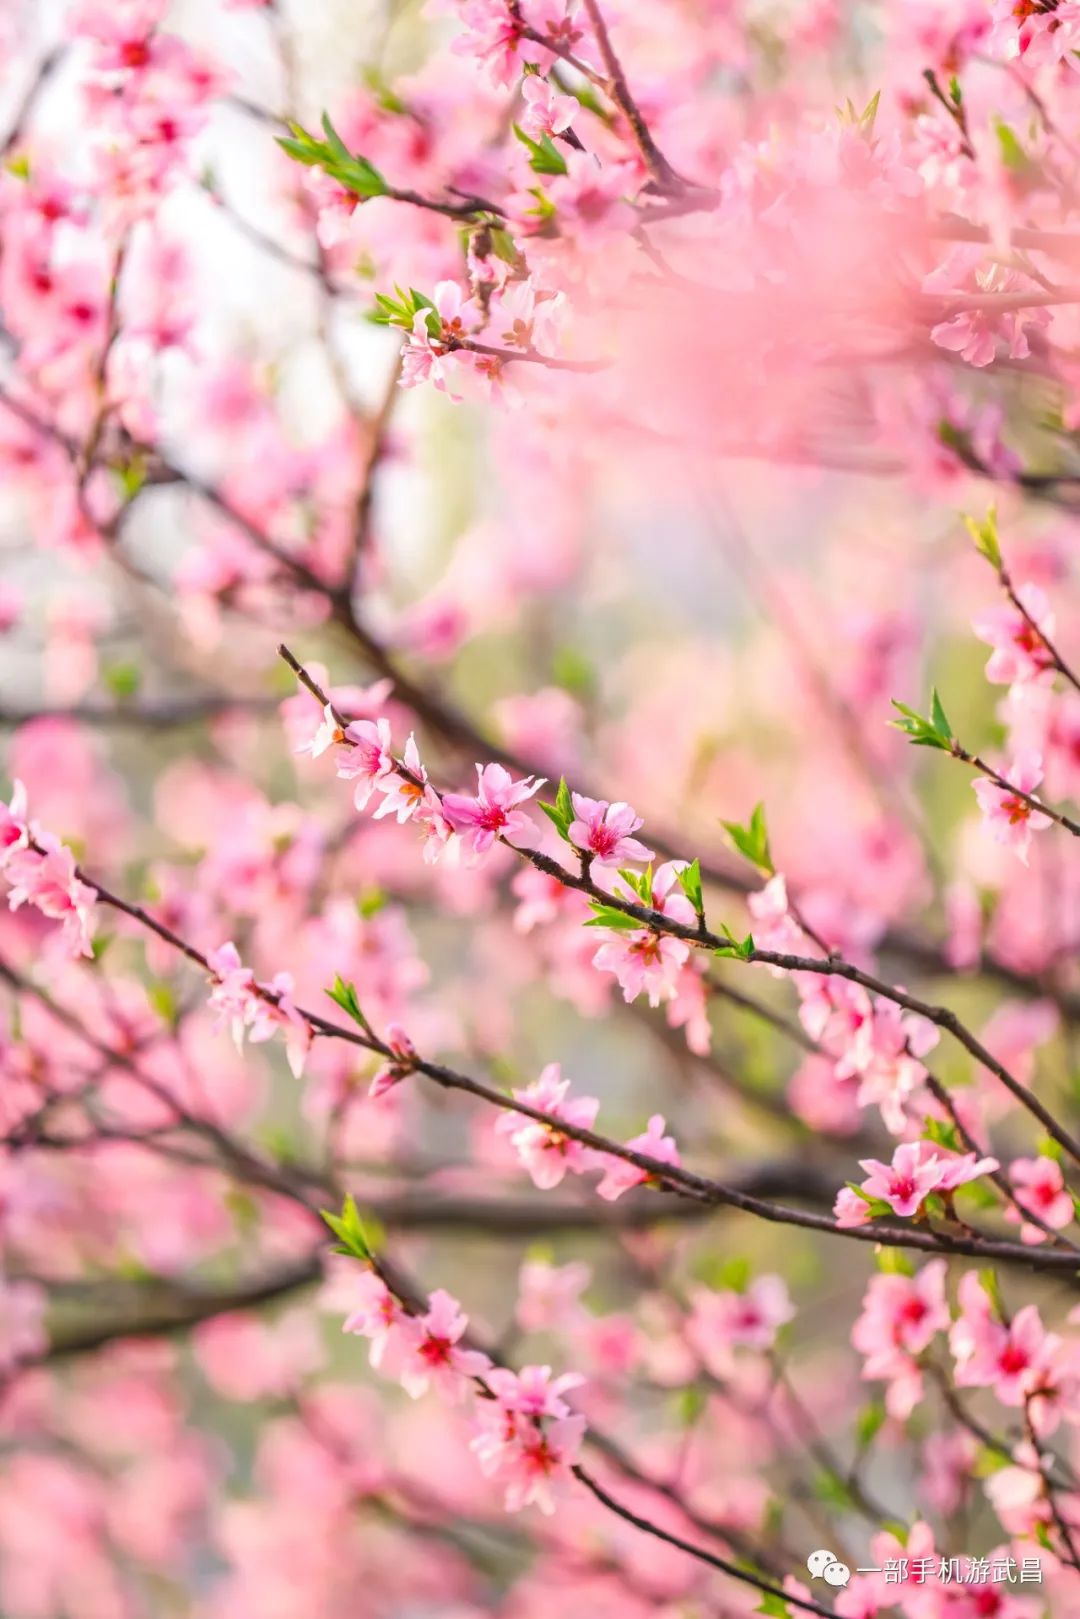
368, 759
721, 1322
428, 355
957, 1168
14, 828
532, 1458
774, 926
458, 314
328, 733
400, 1065
591, 199
424, 358
438, 835
523, 317
543, 899
46, 877
493, 813
1009, 1359
533, 1392
850, 1209
620, 1176
548, 1295
546, 1153
902, 1184
336, 207
1019, 639
643, 961
1009, 818
405, 793
1037, 37
1040, 1187
258, 1011
900, 1317
1018, 1497
875, 1041
917, 1169
546, 112
276, 1012
233, 989
603, 830
431, 1356
902, 1312
377, 1315
491, 34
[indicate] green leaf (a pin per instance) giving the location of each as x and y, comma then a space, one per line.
639, 883
943, 1134
733, 1274
992, 1288
334, 140
868, 1423
690, 883
830, 1488
985, 535
571, 669
607, 917
561, 813
752, 840
894, 1262
296, 150
862, 121
344, 995
689, 1404
742, 948
869, 113
503, 246
163, 999
773, 1606
978, 1194
132, 477
123, 679
351, 170
988, 1462
347, 1228
1013, 156
544, 155
937, 715
371, 903
934, 732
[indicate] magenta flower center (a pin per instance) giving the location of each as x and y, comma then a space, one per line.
435, 1351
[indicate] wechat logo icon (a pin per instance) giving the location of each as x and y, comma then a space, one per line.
824, 1565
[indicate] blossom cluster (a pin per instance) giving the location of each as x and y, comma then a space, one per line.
526, 1435
549, 1155
258, 1011
40, 871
